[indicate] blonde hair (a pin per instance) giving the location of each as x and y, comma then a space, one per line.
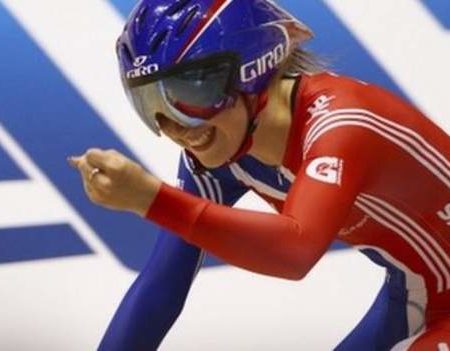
302, 61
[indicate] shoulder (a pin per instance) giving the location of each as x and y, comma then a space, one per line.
349, 107
327, 92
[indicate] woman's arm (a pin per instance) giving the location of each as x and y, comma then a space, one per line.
285, 245
156, 298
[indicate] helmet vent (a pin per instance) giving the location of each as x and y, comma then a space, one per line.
187, 19
157, 40
177, 7
141, 19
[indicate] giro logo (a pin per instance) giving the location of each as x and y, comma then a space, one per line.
445, 214
256, 68
139, 61
326, 170
141, 70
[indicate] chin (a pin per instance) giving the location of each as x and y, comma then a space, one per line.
213, 158
217, 155
211, 162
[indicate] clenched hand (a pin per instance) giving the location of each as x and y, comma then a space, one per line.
114, 181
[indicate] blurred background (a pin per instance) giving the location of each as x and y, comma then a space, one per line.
65, 263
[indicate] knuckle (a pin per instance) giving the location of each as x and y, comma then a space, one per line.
117, 165
105, 187
93, 154
92, 151
112, 152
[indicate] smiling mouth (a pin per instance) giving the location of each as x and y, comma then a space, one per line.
203, 142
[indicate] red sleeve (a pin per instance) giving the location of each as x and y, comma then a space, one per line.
285, 245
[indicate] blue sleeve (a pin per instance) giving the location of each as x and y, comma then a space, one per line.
157, 296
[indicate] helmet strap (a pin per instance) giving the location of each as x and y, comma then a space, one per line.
253, 119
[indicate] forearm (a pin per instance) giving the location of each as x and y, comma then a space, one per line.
261, 242
155, 299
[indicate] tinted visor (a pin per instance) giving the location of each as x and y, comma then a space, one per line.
189, 94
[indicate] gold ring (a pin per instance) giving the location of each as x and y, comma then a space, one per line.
93, 173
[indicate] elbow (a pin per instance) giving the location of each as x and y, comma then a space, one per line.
296, 254
296, 271
299, 276
296, 265
299, 263
296, 275
281, 268
300, 255
292, 276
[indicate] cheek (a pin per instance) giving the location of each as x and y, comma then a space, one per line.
234, 126
231, 126
230, 137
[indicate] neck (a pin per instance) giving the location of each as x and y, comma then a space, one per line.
271, 136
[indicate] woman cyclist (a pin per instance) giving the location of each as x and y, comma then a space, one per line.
338, 158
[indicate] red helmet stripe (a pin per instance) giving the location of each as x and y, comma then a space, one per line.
215, 10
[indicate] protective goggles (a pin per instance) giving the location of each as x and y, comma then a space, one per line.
189, 94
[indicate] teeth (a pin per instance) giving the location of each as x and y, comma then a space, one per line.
202, 139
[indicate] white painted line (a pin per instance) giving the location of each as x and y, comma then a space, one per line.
21, 205
53, 199
80, 40
409, 44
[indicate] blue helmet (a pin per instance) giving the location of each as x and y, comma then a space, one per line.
257, 36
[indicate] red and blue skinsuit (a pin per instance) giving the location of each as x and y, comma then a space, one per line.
361, 166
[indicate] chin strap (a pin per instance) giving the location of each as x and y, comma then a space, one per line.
247, 143
253, 120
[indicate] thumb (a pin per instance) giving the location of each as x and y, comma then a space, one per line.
74, 161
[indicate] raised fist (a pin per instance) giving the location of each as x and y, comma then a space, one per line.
114, 181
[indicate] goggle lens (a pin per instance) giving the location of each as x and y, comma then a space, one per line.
188, 95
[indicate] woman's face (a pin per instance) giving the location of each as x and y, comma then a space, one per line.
215, 142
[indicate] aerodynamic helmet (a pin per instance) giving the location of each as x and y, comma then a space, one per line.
189, 59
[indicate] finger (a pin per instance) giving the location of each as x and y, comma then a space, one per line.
101, 182
99, 189
92, 193
92, 186
110, 162
89, 176
98, 158
85, 169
